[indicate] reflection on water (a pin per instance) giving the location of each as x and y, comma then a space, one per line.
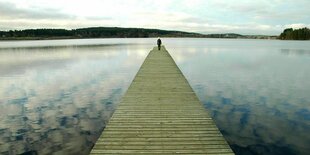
58, 100
57, 96
258, 97
296, 51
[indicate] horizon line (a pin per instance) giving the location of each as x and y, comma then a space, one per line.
201, 33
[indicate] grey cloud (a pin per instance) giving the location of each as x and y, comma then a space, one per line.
252, 8
11, 11
273, 10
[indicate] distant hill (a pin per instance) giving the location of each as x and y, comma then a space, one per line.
109, 32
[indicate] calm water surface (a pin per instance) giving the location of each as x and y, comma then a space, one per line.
56, 96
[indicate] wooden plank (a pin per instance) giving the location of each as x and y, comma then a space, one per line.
161, 114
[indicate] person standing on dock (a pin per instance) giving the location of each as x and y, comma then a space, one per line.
158, 43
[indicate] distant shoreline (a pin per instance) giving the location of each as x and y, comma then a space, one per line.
113, 32
68, 38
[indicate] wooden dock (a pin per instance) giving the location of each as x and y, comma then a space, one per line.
161, 114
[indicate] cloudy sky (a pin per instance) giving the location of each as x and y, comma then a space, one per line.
203, 16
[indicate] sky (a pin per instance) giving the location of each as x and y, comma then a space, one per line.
268, 17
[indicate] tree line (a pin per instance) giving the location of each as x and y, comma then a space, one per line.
94, 32
117, 32
297, 34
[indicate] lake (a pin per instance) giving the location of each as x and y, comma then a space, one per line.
56, 96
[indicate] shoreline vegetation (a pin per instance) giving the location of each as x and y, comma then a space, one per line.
297, 34
118, 32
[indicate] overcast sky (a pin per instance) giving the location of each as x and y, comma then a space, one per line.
203, 16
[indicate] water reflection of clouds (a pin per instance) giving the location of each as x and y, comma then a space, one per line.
186, 52
60, 109
300, 52
16, 62
258, 99
59, 100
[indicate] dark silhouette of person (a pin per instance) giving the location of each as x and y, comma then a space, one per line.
158, 43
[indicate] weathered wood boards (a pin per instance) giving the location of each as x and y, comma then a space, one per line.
161, 114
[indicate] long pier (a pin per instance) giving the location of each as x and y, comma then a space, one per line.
161, 114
